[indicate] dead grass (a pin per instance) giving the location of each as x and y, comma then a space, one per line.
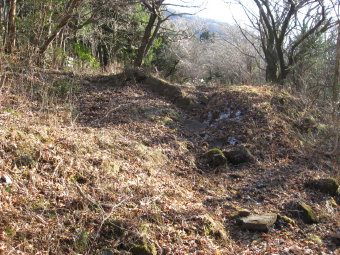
111, 167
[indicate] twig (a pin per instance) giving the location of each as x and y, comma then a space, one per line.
57, 167
108, 216
87, 198
113, 207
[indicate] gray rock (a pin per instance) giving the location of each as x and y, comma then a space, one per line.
224, 116
259, 222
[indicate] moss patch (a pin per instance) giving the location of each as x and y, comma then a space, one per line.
214, 229
216, 157
82, 241
287, 219
143, 249
306, 213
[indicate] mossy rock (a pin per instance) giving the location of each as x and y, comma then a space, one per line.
287, 220
329, 186
143, 249
239, 155
332, 202
305, 212
214, 229
216, 158
315, 238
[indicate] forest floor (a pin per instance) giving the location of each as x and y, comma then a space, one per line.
105, 165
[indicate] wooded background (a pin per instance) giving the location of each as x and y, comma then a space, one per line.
285, 42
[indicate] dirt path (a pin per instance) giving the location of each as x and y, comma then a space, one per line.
222, 119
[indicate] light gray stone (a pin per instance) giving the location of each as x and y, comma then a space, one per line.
259, 222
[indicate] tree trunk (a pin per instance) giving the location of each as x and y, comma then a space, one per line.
103, 55
336, 82
153, 37
271, 70
1, 9
1, 30
72, 6
272, 65
10, 43
145, 40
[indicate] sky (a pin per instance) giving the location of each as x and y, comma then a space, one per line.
214, 9
221, 11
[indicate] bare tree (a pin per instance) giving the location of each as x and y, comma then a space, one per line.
336, 82
337, 70
287, 29
1, 10
10, 43
64, 20
223, 56
156, 8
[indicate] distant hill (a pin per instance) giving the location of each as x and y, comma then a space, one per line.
211, 25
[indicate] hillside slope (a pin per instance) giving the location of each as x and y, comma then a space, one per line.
120, 165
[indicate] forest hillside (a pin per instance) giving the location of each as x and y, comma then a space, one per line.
130, 164
127, 127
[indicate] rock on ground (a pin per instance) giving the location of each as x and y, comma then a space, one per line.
259, 222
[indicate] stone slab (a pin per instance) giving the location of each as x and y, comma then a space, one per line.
259, 222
